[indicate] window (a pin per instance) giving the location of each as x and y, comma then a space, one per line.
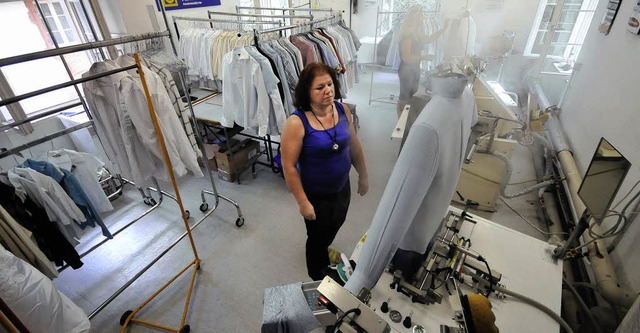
69, 25
562, 44
59, 20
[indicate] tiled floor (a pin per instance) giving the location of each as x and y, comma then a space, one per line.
238, 263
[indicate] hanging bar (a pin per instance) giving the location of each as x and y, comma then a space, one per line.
40, 115
63, 85
258, 15
49, 137
82, 47
288, 27
238, 8
198, 19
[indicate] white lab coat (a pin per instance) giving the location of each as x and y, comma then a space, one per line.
420, 188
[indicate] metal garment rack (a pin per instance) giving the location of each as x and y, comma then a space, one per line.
266, 140
309, 24
92, 45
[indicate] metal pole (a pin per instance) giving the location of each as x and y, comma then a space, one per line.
93, 30
77, 48
64, 61
40, 115
49, 137
166, 24
62, 85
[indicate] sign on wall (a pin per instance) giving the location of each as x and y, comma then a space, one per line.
186, 4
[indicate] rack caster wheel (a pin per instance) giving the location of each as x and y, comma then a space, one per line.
185, 329
239, 221
187, 213
204, 207
124, 317
153, 201
147, 202
197, 267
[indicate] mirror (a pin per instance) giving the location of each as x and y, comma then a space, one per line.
603, 179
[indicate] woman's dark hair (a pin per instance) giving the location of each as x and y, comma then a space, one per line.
302, 99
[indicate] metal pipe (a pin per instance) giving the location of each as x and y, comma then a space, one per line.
77, 48
39, 116
33, 143
93, 30
62, 85
258, 15
166, 24
238, 8
603, 271
62, 58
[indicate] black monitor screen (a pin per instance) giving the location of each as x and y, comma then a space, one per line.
603, 179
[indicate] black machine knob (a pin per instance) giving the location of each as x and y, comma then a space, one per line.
407, 322
384, 307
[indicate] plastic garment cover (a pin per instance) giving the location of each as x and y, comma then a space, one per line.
286, 311
422, 182
35, 301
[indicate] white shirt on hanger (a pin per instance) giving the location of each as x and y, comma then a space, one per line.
245, 99
86, 171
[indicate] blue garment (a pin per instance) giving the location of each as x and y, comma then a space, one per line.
73, 188
323, 170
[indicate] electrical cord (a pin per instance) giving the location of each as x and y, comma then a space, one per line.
481, 258
531, 224
343, 316
538, 305
626, 195
584, 306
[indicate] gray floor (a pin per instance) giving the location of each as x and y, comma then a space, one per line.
239, 263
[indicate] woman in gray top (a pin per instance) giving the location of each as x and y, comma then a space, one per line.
412, 41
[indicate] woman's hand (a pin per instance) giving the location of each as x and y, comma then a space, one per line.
307, 211
363, 185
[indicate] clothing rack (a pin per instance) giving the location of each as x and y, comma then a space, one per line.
240, 15
127, 316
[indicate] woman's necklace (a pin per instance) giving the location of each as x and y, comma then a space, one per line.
335, 146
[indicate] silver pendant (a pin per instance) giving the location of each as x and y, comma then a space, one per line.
335, 147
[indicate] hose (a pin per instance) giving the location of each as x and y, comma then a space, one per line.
538, 305
507, 176
584, 306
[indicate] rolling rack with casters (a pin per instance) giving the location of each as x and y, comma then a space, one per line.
209, 119
128, 316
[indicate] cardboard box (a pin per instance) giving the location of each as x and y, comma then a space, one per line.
210, 150
233, 160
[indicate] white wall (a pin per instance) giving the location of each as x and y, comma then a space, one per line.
603, 102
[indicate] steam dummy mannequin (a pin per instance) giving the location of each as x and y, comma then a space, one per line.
423, 180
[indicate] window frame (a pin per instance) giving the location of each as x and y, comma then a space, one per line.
576, 39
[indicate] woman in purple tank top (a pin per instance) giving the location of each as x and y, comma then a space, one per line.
319, 146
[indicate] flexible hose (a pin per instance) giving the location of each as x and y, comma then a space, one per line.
507, 176
538, 305
584, 306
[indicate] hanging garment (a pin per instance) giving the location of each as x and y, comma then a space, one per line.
245, 99
85, 167
34, 299
281, 73
110, 110
18, 240
422, 182
45, 232
180, 150
43, 189
277, 115
174, 96
307, 49
73, 188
